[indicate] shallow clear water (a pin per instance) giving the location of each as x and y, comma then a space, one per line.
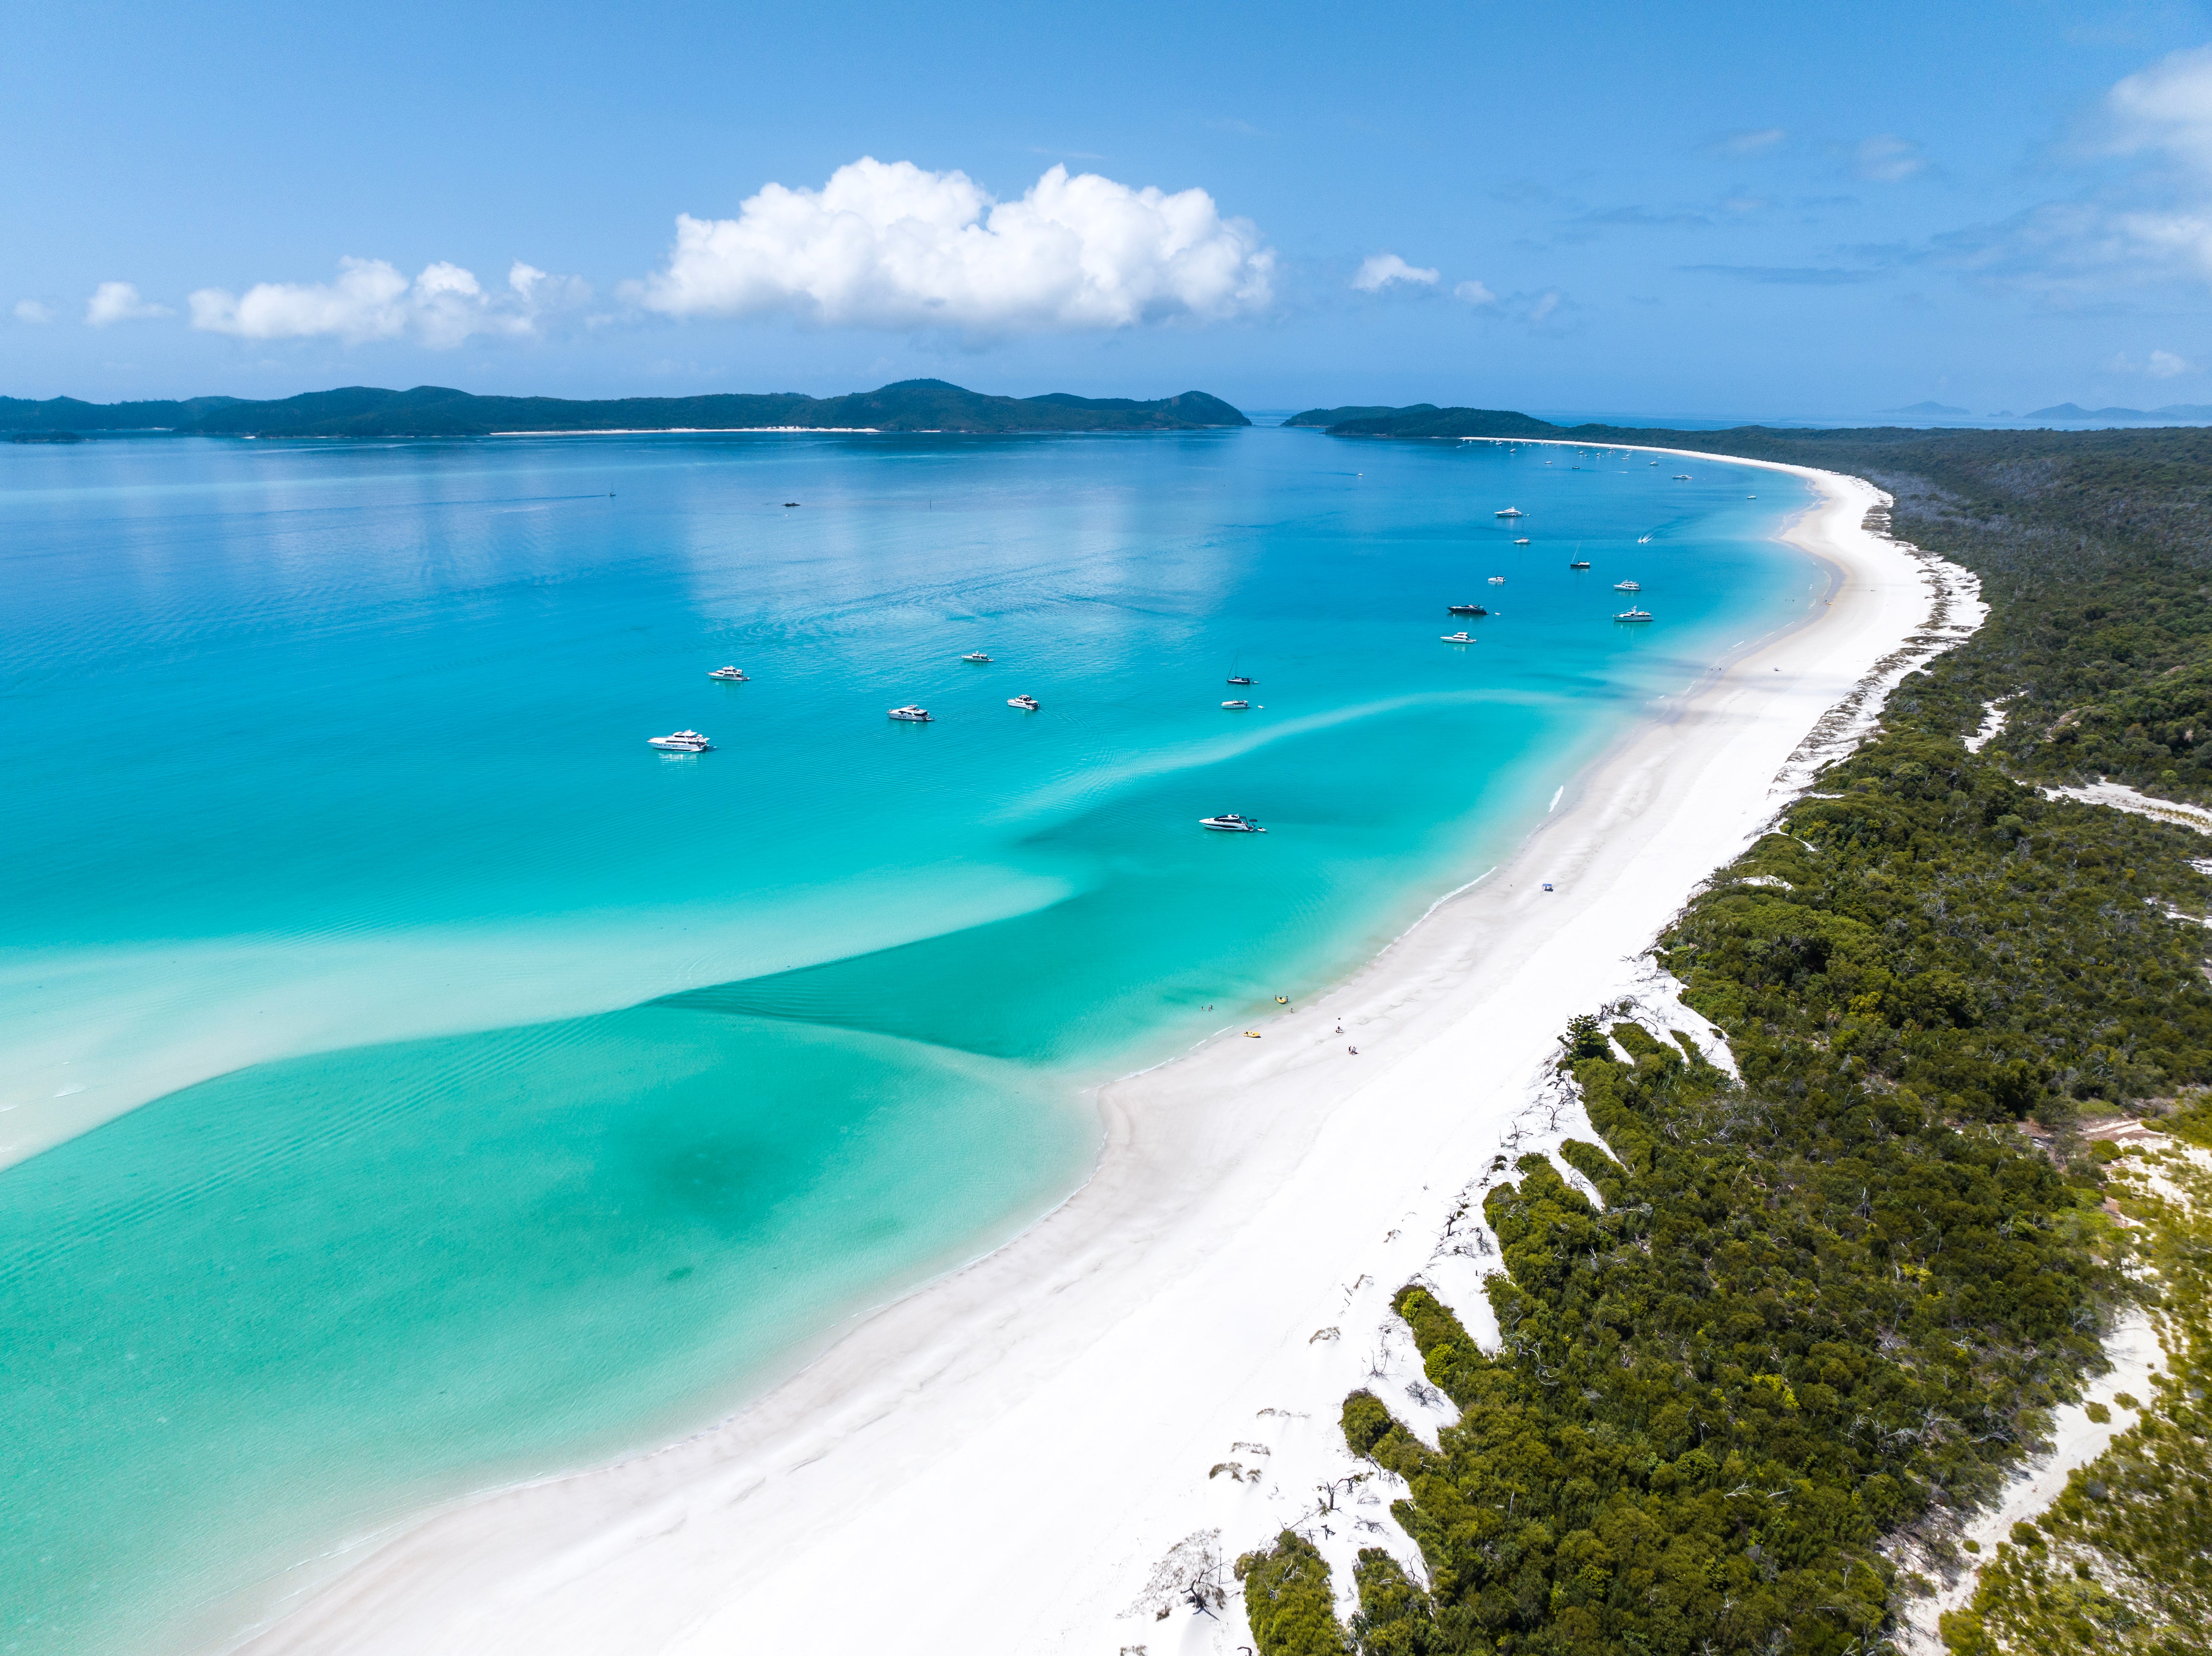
331, 826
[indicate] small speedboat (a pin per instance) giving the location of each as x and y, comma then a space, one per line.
977, 657
1644, 540
1579, 563
681, 742
1230, 822
911, 715
727, 675
1634, 614
1236, 706
1681, 477
1626, 586
1498, 580
1458, 638
1465, 609
1523, 540
1028, 704
1510, 512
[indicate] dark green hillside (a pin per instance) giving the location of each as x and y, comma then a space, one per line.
1840, 1297
1337, 417
437, 411
67, 414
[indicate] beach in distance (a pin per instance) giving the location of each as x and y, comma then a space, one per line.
1008, 1456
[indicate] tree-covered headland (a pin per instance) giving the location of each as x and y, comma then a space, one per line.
1832, 1302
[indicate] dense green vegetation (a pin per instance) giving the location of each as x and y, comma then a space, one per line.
1835, 1300
435, 412
2122, 1561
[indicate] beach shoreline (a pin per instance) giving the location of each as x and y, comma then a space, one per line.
998, 1460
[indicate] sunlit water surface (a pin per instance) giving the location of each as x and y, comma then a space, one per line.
523, 1095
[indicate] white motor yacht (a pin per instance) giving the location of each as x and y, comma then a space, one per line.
1028, 704
1634, 614
1498, 580
911, 715
1510, 512
1523, 540
681, 742
1458, 638
1237, 707
1627, 586
1230, 822
728, 675
978, 656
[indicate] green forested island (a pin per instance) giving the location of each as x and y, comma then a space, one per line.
1824, 1309
437, 411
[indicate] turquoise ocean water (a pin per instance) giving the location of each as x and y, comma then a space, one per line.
526, 1095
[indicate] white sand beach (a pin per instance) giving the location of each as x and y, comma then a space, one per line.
999, 1462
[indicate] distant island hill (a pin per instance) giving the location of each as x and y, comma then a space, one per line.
436, 411
1427, 420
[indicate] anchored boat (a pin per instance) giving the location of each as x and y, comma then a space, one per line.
911, 715
727, 675
1634, 614
681, 742
1230, 822
1028, 704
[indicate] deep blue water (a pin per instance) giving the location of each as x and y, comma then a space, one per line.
522, 1094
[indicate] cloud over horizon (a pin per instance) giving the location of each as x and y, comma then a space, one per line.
894, 245
112, 302
371, 300
1379, 271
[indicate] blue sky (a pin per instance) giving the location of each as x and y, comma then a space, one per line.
1715, 210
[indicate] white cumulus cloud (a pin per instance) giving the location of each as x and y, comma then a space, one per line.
893, 245
372, 300
117, 302
29, 310
2159, 365
1474, 292
1382, 270
2166, 109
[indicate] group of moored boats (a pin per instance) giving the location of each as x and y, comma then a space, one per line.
912, 713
